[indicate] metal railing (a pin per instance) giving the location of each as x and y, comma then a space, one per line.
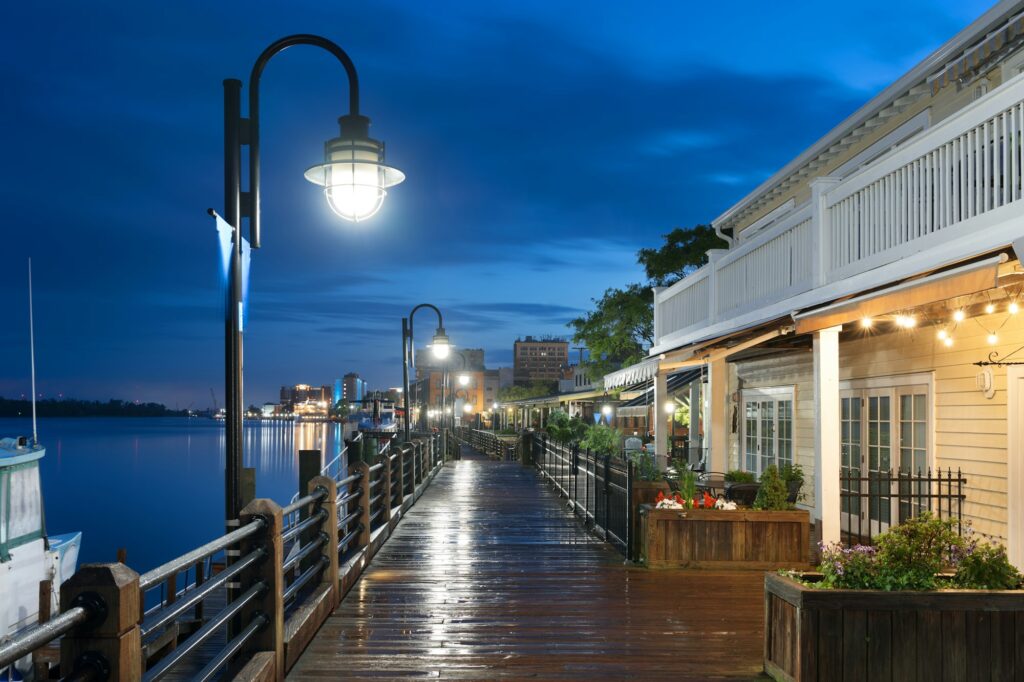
488, 443
598, 488
337, 521
871, 504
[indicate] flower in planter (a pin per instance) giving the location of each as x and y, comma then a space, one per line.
727, 506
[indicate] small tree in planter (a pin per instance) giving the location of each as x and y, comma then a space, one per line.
565, 429
602, 440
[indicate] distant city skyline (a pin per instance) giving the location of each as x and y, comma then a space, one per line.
534, 174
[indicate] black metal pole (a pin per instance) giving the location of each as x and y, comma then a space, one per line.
232, 328
406, 343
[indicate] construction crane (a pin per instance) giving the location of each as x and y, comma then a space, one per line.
214, 396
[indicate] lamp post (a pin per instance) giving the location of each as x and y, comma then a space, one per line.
463, 379
440, 347
354, 179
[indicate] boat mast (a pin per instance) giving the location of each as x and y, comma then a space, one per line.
32, 350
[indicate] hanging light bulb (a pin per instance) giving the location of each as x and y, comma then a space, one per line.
866, 322
959, 316
943, 335
1013, 308
905, 321
989, 309
993, 339
948, 341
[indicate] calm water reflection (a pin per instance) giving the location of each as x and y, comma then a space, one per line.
156, 486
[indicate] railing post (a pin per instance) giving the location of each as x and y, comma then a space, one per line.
630, 511
329, 529
607, 494
270, 603
364, 501
821, 229
385, 489
309, 468
110, 641
401, 475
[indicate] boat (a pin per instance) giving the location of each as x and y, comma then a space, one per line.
379, 420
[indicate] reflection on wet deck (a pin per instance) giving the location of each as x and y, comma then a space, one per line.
488, 577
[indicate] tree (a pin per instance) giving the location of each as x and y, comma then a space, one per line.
684, 251
618, 331
537, 389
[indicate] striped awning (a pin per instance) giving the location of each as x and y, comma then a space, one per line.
972, 60
634, 374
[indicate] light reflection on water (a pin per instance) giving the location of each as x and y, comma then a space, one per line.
156, 486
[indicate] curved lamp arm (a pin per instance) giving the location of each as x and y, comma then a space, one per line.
254, 113
440, 320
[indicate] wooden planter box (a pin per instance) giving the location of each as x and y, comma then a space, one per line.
845, 635
712, 538
646, 492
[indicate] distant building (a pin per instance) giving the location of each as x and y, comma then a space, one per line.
353, 388
304, 393
574, 378
539, 359
506, 377
492, 382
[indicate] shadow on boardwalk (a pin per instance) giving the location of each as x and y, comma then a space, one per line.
489, 577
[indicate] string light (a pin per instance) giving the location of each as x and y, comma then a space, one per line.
948, 341
959, 316
989, 309
1013, 308
943, 335
905, 321
866, 322
993, 339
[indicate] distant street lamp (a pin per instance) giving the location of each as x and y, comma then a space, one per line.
354, 178
439, 347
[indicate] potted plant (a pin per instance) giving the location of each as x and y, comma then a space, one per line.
924, 603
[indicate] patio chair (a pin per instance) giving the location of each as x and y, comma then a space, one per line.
742, 493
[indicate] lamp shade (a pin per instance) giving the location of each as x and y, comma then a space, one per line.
440, 346
353, 175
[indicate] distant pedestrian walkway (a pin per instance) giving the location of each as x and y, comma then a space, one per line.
488, 577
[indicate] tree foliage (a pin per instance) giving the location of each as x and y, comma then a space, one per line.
536, 389
684, 250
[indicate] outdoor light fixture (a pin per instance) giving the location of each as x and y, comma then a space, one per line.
494, 406
606, 410
463, 380
670, 408
353, 174
354, 178
948, 341
989, 309
467, 408
993, 339
440, 348
906, 321
943, 335
959, 316
1013, 308
865, 322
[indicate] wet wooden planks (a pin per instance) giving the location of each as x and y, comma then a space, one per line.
488, 577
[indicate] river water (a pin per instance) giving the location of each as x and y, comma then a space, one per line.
156, 486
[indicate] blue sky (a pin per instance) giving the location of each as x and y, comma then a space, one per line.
544, 143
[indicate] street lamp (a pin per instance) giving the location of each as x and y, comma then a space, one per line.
463, 380
440, 347
606, 412
354, 178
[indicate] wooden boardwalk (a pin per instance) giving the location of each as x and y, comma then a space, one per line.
489, 578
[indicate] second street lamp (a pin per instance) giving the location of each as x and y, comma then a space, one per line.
355, 180
439, 347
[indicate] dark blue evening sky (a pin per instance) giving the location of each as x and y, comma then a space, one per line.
544, 143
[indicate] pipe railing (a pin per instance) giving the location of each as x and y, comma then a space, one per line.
327, 523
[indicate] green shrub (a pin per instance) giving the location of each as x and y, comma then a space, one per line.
688, 485
646, 467
740, 476
602, 439
564, 429
986, 567
773, 494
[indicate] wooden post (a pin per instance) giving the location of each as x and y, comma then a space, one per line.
330, 529
401, 475
364, 500
115, 638
385, 489
309, 468
271, 603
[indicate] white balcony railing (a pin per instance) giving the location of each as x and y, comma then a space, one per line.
949, 193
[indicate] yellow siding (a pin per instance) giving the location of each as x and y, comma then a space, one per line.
969, 429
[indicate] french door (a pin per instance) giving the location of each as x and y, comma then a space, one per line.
767, 429
883, 430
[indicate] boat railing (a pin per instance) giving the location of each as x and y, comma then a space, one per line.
254, 614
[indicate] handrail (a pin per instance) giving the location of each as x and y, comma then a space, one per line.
41, 635
150, 579
297, 505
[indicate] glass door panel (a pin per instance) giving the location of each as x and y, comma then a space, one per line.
913, 436
879, 461
851, 429
766, 442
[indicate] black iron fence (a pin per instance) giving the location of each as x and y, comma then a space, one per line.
871, 504
599, 488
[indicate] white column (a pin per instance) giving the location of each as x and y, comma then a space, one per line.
716, 430
820, 229
826, 432
695, 412
660, 427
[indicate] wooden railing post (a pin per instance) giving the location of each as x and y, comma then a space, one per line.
329, 528
401, 475
309, 468
111, 641
270, 603
364, 500
385, 489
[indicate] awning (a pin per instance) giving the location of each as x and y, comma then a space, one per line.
637, 407
644, 370
967, 279
975, 59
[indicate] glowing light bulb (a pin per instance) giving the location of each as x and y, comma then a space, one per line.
993, 339
905, 321
1013, 308
989, 309
959, 316
866, 322
943, 335
948, 341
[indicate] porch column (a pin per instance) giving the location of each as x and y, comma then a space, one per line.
716, 430
660, 427
695, 412
826, 432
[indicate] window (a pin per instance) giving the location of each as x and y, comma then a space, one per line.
767, 428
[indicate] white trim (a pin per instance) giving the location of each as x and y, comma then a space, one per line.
889, 381
775, 394
937, 60
767, 219
768, 391
1014, 468
893, 139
